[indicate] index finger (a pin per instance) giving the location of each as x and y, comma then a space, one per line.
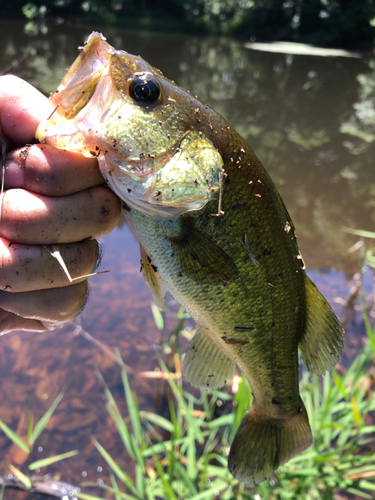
41, 169
22, 107
49, 171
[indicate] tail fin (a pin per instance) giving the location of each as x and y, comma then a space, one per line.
261, 445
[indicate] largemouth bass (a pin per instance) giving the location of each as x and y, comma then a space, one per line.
213, 228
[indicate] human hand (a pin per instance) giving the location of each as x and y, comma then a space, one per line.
51, 197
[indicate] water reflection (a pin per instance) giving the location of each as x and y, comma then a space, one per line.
309, 119
293, 111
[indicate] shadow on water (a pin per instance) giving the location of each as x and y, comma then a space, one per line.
309, 119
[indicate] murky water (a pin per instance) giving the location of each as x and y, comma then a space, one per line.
311, 121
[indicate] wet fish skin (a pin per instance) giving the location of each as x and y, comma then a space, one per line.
238, 273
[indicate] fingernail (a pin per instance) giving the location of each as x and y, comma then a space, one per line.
14, 173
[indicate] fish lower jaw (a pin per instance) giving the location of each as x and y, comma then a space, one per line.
155, 210
141, 193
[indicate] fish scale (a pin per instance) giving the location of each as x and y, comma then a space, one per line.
220, 309
214, 230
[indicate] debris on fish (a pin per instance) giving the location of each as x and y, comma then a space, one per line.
213, 231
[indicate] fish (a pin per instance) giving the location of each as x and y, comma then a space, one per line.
214, 231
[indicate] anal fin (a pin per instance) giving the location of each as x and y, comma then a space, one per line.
152, 279
322, 342
205, 365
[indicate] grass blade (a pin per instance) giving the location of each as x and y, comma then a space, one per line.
13, 437
51, 460
166, 486
30, 423
157, 420
116, 468
26, 481
340, 385
115, 414
116, 491
45, 419
367, 485
359, 232
356, 414
158, 317
135, 418
132, 405
85, 496
122, 495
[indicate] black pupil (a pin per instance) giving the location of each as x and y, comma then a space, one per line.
144, 89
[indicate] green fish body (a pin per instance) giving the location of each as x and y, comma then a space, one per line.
214, 231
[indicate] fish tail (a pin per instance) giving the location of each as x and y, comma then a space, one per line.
261, 444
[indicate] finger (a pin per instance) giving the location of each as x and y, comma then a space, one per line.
22, 107
49, 307
31, 267
9, 322
36, 219
49, 171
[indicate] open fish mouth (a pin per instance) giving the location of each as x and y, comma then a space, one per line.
116, 107
170, 184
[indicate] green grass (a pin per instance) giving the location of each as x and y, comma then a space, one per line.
32, 435
191, 463
185, 456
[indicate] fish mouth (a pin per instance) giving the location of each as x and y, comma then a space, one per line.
96, 115
181, 179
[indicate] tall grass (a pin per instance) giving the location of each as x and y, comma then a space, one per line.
191, 462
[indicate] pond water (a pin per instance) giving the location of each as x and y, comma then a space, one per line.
311, 121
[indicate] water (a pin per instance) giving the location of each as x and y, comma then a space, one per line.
310, 119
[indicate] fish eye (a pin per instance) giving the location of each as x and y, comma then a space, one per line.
144, 89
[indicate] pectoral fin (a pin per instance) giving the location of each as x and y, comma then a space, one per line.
323, 339
205, 365
152, 279
200, 258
